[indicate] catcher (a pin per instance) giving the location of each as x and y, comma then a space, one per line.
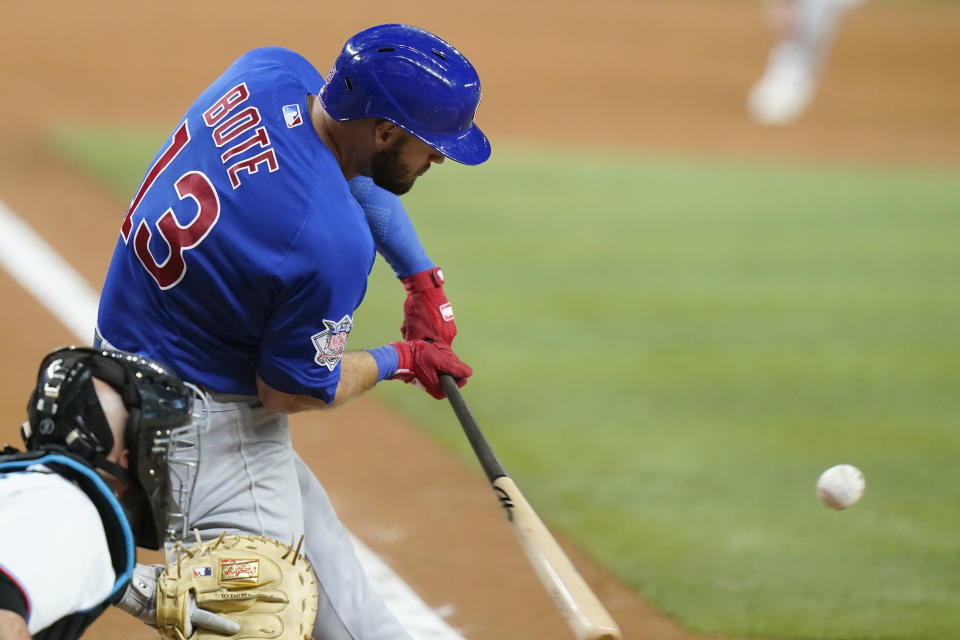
110, 463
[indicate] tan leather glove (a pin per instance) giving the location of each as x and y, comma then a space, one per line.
237, 587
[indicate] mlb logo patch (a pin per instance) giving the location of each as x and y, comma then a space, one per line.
291, 115
201, 572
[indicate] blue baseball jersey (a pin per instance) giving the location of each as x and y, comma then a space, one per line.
243, 252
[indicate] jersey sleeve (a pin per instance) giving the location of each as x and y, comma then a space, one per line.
393, 233
306, 336
61, 568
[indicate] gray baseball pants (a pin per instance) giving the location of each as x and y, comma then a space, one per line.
250, 480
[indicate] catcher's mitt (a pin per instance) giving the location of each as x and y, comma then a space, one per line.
237, 587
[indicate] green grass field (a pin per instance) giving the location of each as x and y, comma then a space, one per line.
668, 351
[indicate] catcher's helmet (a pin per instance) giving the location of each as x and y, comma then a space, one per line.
413, 79
64, 412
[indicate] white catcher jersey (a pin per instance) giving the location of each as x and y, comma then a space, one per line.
52, 543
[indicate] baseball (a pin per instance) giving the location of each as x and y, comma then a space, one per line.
841, 486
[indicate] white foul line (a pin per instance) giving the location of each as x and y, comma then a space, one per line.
52, 281
46, 276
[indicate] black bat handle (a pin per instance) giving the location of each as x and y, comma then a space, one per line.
488, 459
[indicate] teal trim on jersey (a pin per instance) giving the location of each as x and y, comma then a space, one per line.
101, 486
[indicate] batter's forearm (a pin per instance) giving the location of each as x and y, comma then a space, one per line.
358, 373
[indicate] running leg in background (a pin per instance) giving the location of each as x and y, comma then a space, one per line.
794, 64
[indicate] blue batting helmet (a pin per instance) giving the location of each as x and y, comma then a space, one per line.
413, 79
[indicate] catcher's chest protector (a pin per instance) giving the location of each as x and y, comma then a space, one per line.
115, 525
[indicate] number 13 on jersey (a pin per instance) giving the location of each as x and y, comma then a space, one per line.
197, 186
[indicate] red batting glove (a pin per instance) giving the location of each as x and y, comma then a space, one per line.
426, 312
422, 362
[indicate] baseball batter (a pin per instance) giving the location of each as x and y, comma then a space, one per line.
246, 251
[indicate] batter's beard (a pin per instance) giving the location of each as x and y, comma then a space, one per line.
389, 173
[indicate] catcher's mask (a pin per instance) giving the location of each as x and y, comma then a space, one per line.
160, 432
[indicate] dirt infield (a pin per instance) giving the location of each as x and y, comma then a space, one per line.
653, 75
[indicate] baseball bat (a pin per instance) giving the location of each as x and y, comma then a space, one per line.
579, 605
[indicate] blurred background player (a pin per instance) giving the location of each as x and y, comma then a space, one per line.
805, 30
91, 484
246, 252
